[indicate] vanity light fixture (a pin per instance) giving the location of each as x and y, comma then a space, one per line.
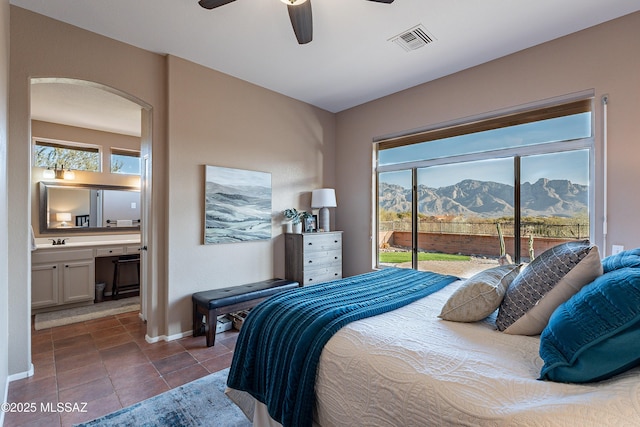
69, 174
48, 173
56, 173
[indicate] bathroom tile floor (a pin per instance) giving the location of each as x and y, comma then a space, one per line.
92, 368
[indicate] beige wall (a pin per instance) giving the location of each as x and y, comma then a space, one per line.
605, 59
4, 283
199, 117
42, 47
219, 120
106, 140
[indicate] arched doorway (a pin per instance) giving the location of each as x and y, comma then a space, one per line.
74, 103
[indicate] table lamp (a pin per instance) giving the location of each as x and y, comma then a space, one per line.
63, 217
323, 199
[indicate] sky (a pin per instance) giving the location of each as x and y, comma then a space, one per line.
572, 166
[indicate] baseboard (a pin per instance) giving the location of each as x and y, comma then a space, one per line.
152, 340
21, 375
11, 378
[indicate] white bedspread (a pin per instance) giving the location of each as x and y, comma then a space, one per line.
409, 368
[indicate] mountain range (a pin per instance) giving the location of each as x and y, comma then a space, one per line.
489, 199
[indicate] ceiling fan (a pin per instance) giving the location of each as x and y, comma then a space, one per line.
299, 14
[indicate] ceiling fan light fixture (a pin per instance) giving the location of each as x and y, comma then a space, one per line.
293, 2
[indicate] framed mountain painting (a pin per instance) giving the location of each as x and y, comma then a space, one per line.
237, 205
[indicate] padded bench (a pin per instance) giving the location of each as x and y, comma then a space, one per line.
208, 305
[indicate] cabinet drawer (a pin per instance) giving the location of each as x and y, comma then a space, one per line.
321, 258
112, 251
61, 255
314, 276
321, 242
133, 249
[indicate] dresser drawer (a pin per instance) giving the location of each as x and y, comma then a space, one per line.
324, 274
321, 242
321, 258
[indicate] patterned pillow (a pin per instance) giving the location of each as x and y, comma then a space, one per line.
630, 258
596, 333
550, 279
480, 295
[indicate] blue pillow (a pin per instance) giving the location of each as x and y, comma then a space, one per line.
596, 333
629, 258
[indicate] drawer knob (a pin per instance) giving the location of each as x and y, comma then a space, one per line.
54, 266
310, 261
310, 243
335, 257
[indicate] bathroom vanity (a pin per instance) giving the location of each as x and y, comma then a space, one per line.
64, 276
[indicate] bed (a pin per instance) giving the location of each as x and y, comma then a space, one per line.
408, 366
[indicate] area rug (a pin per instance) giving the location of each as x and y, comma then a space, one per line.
199, 403
88, 312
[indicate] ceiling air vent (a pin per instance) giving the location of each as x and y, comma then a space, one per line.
413, 39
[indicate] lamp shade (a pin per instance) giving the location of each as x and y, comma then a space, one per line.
323, 198
63, 216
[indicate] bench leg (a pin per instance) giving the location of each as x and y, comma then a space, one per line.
197, 321
212, 323
208, 327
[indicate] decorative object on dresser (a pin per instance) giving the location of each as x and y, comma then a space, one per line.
323, 199
296, 219
311, 224
312, 258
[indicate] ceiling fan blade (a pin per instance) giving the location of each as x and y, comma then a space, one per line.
301, 21
212, 4
383, 1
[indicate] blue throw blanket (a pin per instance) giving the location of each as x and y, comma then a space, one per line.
279, 345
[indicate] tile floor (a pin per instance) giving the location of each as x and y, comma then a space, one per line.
108, 364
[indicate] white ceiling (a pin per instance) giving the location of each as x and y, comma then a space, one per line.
84, 106
350, 60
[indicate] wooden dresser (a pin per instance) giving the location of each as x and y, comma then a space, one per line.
312, 258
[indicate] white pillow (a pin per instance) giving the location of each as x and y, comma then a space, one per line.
480, 295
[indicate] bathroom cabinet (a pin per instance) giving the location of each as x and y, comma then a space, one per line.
61, 277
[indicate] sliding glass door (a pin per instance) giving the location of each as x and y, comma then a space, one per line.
462, 208
395, 213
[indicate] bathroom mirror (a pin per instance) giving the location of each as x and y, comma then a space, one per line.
80, 208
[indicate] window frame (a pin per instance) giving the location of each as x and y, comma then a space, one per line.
71, 145
124, 152
540, 111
